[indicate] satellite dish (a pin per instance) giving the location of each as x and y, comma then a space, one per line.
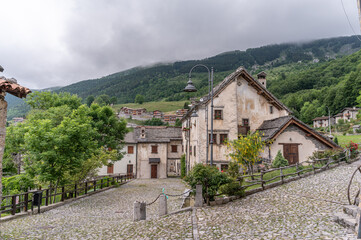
201, 99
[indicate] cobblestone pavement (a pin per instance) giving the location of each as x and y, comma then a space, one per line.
296, 210
108, 215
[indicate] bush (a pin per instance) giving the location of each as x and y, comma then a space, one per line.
233, 169
17, 184
232, 189
352, 147
279, 161
183, 165
210, 178
336, 140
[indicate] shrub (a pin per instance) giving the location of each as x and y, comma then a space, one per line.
210, 178
17, 184
279, 161
232, 189
336, 140
233, 169
352, 147
183, 165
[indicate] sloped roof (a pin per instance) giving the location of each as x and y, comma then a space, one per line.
251, 81
338, 115
350, 109
10, 86
271, 129
320, 118
156, 134
130, 137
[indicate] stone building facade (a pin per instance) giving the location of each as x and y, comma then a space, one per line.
241, 104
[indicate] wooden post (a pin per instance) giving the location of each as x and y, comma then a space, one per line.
3, 114
101, 184
298, 172
262, 185
63, 194
46, 197
75, 190
108, 181
13, 203
313, 168
86, 188
26, 200
95, 185
281, 174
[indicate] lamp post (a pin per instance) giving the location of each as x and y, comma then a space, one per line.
191, 88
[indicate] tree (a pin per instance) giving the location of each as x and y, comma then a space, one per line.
89, 100
102, 100
154, 122
186, 105
279, 161
246, 149
139, 99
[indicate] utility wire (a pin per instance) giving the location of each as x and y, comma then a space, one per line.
343, 7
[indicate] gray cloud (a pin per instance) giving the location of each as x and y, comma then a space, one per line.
52, 43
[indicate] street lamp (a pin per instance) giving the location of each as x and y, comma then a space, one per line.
191, 88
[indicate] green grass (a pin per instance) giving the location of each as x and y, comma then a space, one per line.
151, 106
344, 140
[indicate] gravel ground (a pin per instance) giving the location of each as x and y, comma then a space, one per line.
108, 215
297, 210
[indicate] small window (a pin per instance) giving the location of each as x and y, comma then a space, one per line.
224, 167
190, 150
130, 149
154, 149
214, 138
174, 148
271, 109
218, 114
245, 121
110, 169
223, 138
194, 150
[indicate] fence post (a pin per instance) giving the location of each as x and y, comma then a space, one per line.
313, 168
281, 174
63, 194
47, 197
101, 183
163, 210
26, 200
108, 182
75, 190
95, 185
86, 188
298, 172
140, 211
121, 179
262, 184
199, 196
13, 203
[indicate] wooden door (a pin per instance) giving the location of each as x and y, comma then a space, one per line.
110, 169
290, 152
129, 169
153, 172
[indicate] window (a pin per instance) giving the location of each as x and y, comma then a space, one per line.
110, 169
154, 149
214, 138
130, 149
224, 167
194, 150
218, 114
271, 109
182, 148
190, 150
223, 138
245, 121
174, 148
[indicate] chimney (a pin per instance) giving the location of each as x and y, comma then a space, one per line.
142, 132
262, 79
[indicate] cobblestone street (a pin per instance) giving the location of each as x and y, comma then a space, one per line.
296, 210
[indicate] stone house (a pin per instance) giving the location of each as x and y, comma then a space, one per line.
127, 165
349, 113
321, 122
243, 104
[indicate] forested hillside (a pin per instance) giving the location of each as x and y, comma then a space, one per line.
298, 73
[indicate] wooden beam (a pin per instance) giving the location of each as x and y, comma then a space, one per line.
3, 112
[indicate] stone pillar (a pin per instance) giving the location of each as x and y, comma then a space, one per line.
3, 113
199, 196
139, 211
163, 210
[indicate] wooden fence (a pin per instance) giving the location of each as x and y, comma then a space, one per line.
13, 204
266, 179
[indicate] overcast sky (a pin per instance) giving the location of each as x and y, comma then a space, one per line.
47, 43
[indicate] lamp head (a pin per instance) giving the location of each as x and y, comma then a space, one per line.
190, 87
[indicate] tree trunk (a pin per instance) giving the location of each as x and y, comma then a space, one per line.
3, 113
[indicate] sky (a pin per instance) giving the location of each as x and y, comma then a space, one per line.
47, 43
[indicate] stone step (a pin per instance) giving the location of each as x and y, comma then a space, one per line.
351, 210
345, 220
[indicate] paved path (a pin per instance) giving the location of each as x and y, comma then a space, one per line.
296, 210
107, 215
